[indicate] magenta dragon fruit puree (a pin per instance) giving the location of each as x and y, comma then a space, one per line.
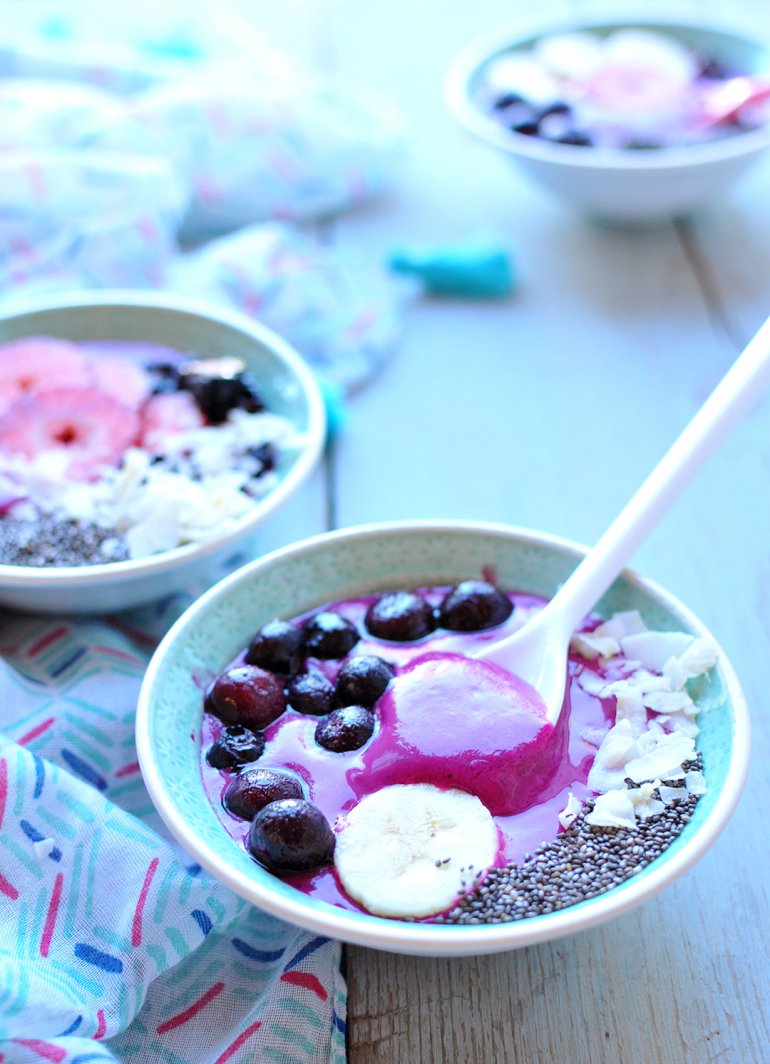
443, 718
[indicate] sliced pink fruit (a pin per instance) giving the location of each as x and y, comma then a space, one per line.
91, 428
37, 363
122, 378
167, 415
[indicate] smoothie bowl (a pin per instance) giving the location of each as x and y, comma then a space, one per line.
318, 734
629, 120
143, 438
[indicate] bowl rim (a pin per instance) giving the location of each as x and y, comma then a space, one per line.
467, 62
438, 939
28, 577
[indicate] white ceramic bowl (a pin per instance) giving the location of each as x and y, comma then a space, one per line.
301, 577
188, 325
612, 184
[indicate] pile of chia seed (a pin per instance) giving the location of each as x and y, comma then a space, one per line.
581, 862
46, 541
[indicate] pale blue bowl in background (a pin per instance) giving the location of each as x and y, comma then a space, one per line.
629, 187
374, 558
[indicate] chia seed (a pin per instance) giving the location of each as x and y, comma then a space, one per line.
45, 541
581, 862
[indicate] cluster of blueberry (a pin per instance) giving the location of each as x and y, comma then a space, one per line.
288, 834
554, 122
215, 395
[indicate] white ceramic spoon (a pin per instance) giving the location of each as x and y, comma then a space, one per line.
537, 652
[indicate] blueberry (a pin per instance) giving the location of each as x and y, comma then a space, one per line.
218, 396
526, 126
310, 692
345, 729
473, 605
235, 746
362, 680
254, 788
277, 646
576, 138
328, 635
246, 695
642, 144
508, 99
291, 835
165, 377
264, 458
400, 616
558, 107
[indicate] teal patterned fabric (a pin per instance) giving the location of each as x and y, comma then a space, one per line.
114, 945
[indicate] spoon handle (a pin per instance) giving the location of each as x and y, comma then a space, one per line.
738, 390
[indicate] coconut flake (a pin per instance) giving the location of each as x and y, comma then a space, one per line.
621, 624
695, 782
591, 646
679, 723
654, 649
671, 794
591, 682
609, 768
664, 760
670, 702
594, 736
570, 810
613, 809
630, 707
645, 805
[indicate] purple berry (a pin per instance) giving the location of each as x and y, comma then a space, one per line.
277, 646
235, 746
345, 729
473, 605
291, 835
254, 788
361, 680
246, 695
526, 126
310, 692
400, 616
328, 635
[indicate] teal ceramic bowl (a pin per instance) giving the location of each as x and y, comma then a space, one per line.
371, 558
286, 383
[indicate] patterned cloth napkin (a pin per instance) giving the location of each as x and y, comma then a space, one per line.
114, 946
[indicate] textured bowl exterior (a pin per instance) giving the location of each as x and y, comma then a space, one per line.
372, 558
287, 385
614, 185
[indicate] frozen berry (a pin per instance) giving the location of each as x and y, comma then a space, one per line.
218, 396
291, 835
235, 746
277, 646
401, 616
508, 99
310, 692
164, 377
345, 729
362, 680
254, 788
246, 695
527, 127
263, 458
574, 137
473, 605
327, 635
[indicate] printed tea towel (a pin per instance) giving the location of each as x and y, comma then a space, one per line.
114, 945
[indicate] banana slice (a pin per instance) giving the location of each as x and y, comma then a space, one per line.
411, 849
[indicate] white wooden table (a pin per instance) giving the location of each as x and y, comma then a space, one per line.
575, 386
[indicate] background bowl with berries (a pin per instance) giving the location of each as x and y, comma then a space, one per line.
631, 121
318, 732
143, 438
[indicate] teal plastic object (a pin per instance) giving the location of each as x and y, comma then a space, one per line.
472, 270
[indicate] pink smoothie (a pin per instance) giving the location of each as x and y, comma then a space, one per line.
446, 719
